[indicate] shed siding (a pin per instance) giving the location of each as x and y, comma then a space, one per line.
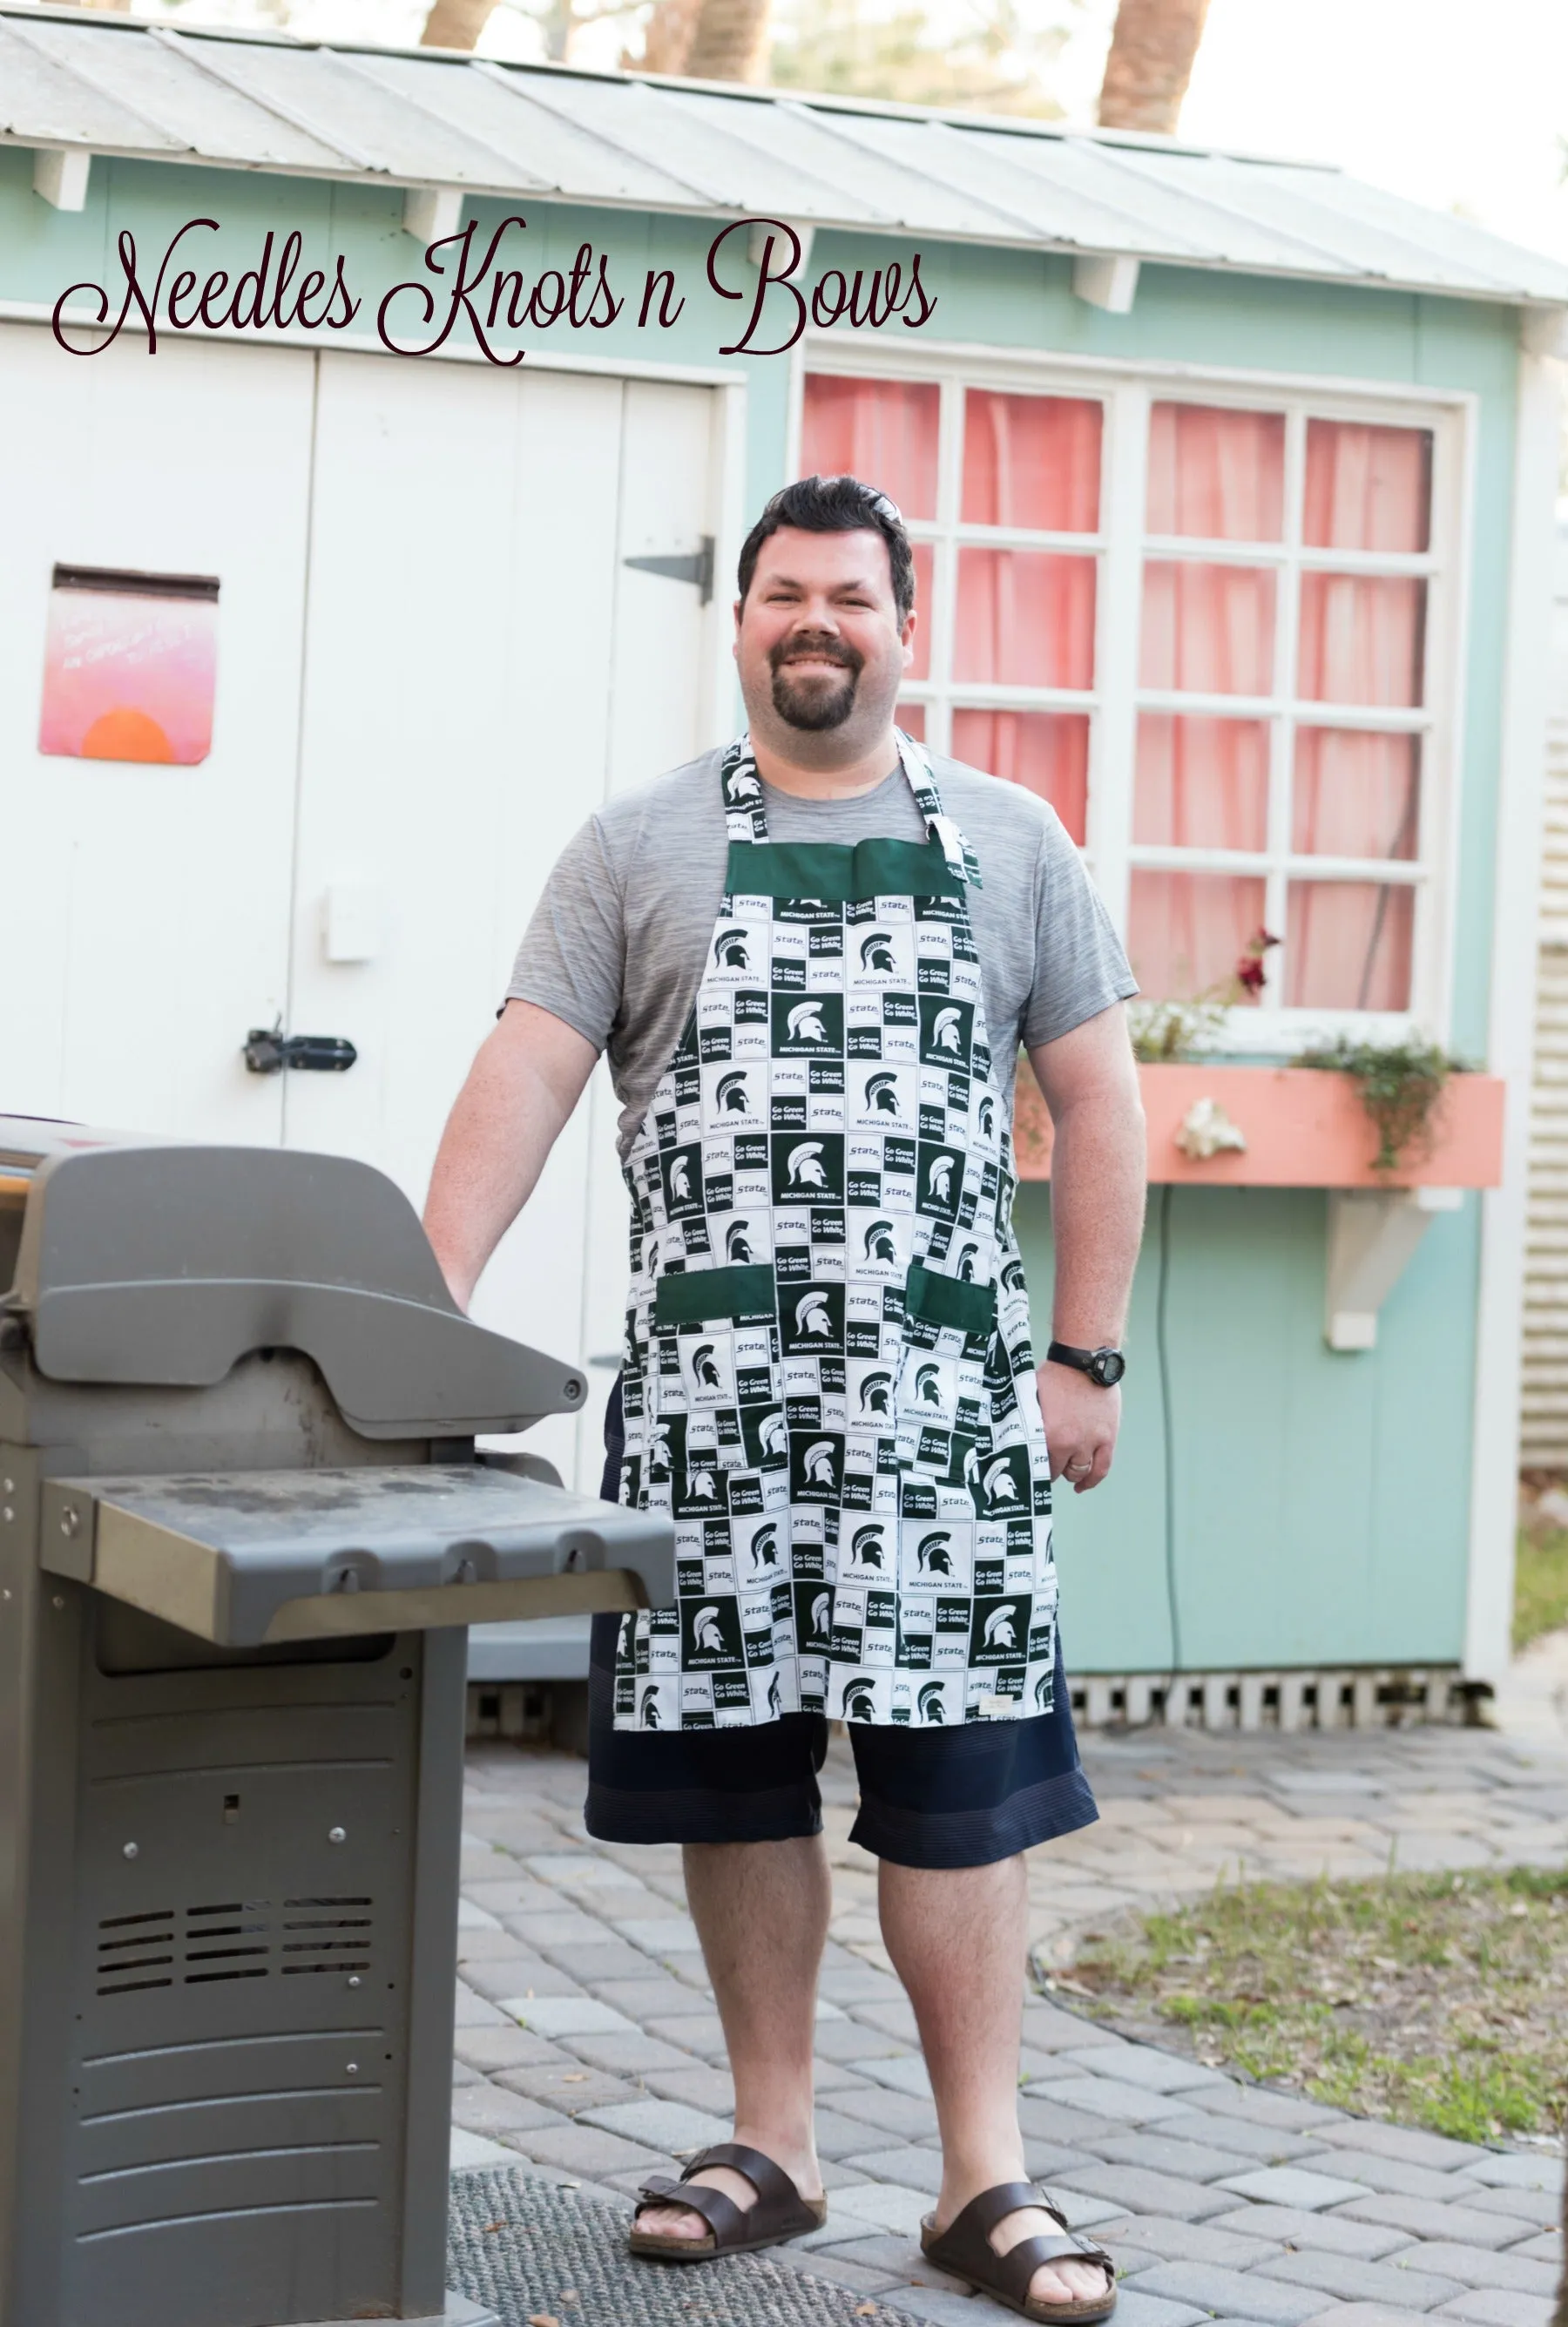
1544, 1423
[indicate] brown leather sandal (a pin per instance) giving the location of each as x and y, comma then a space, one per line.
965, 2249
780, 2214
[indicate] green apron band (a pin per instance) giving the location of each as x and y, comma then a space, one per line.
838, 875
949, 1301
694, 1296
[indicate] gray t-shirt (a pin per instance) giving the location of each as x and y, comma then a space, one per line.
620, 937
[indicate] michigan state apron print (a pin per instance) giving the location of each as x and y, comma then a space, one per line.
828, 1378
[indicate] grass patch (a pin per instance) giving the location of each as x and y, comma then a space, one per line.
1540, 1584
1438, 2001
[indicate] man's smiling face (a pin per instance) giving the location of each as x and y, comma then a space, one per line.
819, 641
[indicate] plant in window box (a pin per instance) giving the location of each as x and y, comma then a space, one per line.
1400, 1084
1165, 1033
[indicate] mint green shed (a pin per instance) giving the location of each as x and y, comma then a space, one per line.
382, 426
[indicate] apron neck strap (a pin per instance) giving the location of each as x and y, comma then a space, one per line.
747, 819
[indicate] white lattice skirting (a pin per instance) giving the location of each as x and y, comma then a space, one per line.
1368, 1696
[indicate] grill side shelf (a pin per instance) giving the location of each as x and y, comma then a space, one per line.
246, 1557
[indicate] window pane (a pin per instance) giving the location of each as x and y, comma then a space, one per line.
1047, 753
882, 431
1031, 460
1362, 638
1347, 946
1355, 795
1186, 930
912, 718
1025, 619
1217, 474
1200, 783
1367, 488
1207, 629
925, 560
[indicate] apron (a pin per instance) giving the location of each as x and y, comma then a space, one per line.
828, 1378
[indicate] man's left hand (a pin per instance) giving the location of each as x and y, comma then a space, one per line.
1081, 1421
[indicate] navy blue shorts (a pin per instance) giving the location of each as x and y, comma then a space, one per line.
961, 1797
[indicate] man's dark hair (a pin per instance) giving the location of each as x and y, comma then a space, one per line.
836, 505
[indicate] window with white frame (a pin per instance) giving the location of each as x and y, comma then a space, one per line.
1212, 628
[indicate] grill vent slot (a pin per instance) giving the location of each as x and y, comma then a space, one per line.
233, 1939
326, 1935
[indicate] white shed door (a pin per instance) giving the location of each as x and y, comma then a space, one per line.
147, 906
482, 666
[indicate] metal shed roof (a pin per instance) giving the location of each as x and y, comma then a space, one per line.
429, 118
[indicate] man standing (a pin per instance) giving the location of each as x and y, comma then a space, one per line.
812, 957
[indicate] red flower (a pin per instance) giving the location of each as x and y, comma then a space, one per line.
1249, 963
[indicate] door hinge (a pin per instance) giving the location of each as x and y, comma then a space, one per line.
697, 567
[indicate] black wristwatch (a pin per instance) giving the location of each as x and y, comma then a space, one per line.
1105, 1365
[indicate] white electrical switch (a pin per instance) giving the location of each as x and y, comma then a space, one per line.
352, 922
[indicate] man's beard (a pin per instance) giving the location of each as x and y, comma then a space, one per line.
813, 704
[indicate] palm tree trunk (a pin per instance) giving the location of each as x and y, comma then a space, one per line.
1151, 64
455, 23
730, 41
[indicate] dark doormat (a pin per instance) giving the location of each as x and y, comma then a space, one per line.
532, 2251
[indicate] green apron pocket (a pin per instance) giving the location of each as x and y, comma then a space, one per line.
947, 1301
693, 1296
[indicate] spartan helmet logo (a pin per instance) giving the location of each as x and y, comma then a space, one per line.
930, 1705
775, 1697
1012, 1276
765, 1547
707, 1631
803, 1165
876, 951
946, 1030
701, 1486
736, 1245
873, 1393
867, 1547
971, 1465
929, 1385
658, 1454
1042, 1690
966, 1260
680, 1180
812, 1315
819, 1608
999, 1485
999, 1632
805, 1023
939, 1179
819, 1465
739, 787
648, 1717
859, 1705
988, 1116
882, 1093
732, 1091
729, 949
773, 1434
705, 1367
879, 1241
932, 1554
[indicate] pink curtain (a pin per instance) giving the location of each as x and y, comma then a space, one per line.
924, 570
882, 431
1046, 752
1200, 783
1026, 618
1215, 474
1207, 629
1186, 929
1367, 487
1032, 461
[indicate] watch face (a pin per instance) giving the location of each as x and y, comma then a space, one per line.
1107, 1368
